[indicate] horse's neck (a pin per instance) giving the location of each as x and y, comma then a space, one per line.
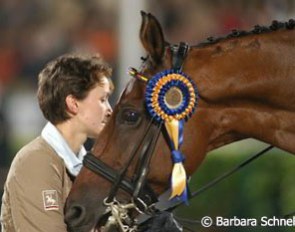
246, 87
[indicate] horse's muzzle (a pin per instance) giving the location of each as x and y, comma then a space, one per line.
75, 217
77, 220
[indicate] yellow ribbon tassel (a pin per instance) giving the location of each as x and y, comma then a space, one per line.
178, 180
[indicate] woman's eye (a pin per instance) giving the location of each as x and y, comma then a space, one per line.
130, 116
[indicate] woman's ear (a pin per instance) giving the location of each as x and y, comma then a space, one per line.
72, 104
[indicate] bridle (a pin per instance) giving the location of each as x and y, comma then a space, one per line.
143, 198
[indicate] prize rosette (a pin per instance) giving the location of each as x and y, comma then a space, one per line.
171, 96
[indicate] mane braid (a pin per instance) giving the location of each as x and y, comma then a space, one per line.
276, 25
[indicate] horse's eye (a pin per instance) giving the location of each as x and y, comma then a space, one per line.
130, 116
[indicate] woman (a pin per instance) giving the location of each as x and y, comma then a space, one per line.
73, 93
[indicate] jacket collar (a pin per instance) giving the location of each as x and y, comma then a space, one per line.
54, 138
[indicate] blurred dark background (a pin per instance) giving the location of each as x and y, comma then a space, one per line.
35, 31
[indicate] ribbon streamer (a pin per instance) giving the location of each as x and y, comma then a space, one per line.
174, 129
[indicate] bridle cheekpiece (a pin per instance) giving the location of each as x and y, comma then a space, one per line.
171, 98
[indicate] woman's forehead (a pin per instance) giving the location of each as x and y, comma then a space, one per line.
105, 82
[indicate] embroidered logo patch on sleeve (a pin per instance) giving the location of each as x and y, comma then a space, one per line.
50, 200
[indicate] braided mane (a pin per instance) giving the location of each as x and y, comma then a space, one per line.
276, 25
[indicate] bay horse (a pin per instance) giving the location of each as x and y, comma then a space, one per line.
245, 83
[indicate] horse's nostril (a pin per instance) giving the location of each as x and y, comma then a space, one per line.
75, 215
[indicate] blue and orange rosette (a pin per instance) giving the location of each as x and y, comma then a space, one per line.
171, 96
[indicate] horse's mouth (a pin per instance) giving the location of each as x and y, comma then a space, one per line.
96, 227
101, 224
83, 228
102, 220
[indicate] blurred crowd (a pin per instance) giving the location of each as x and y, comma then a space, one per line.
34, 31
195, 20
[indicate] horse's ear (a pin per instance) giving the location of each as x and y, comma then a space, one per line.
151, 36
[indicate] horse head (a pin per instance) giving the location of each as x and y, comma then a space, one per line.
244, 82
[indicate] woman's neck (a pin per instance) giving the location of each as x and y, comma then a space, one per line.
73, 137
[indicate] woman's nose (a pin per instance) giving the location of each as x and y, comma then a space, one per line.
109, 110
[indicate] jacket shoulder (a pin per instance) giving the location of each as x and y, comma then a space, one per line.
35, 157
37, 149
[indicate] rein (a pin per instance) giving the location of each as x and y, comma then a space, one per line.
126, 185
172, 206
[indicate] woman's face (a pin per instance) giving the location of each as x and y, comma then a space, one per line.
95, 110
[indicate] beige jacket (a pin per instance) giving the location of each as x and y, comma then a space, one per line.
35, 190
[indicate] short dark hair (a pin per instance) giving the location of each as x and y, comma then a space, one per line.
70, 74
